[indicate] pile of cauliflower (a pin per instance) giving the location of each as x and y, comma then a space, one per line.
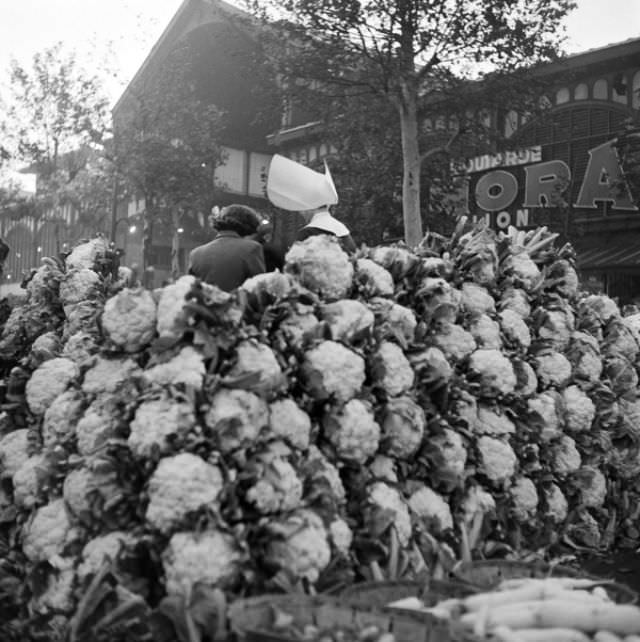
307, 429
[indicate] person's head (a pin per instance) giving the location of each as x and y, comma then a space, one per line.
264, 233
238, 218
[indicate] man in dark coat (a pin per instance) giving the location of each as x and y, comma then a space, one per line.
232, 257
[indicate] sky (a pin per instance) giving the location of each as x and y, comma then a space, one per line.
123, 31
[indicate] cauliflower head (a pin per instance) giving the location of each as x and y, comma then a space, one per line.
579, 410
391, 370
486, 332
557, 506
403, 425
493, 420
431, 510
476, 300
524, 497
278, 489
497, 460
179, 485
107, 375
552, 369
352, 430
97, 425
340, 535
187, 368
129, 319
46, 534
374, 279
80, 284
494, 372
393, 320
85, 255
448, 457
259, 358
289, 422
386, 500
454, 341
515, 330
347, 319
101, 548
172, 318
49, 380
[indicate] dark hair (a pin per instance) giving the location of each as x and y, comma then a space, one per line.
238, 218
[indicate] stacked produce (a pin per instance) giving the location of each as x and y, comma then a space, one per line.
163, 452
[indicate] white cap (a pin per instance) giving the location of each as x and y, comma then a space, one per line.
296, 188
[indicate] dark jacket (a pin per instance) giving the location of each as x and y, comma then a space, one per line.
227, 261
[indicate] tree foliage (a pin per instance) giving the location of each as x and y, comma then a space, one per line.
410, 52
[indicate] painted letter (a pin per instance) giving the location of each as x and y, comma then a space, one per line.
496, 190
545, 184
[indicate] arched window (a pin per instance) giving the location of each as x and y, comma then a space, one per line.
562, 96
601, 89
581, 92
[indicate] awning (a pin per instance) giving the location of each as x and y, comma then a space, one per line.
609, 256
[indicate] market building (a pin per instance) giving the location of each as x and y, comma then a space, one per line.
558, 170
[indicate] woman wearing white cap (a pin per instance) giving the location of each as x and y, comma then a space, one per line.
296, 188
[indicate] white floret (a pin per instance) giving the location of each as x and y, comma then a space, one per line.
387, 499
320, 264
290, 422
49, 380
210, 557
353, 431
517, 301
129, 319
341, 535
300, 324
579, 410
155, 420
494, 371
477, 500
179, 485
79, 285
553, 369
391, 370
383, 468
395, 319
593, 487
57, 596
107, 375
320, 469
376, 280
431, 509
172, 319
331, 369
97, 425
475, 299
347, 319
80, 347
45, 535
525, 499
14, 452
515, 329
187, 368
497, 459
557, 505
83, 484
403, 426
454, 341
278, 489
448, 456
237, 417
101, 549
46, 346
486, 332
28, 481
86, 254
275, 284
258, 358
302, 546
493, 421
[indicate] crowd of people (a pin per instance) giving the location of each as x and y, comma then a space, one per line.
243, 246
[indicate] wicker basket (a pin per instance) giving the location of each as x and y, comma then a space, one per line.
251, 619
488, 574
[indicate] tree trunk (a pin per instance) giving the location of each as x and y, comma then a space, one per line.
411, 171
175, 244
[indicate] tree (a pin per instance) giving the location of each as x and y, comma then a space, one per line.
409, 52
167, 148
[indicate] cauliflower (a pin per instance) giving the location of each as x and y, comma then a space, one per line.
155, 420
448, 457
97, 425
399, 261
545, 407
318, 469
464, 406
83, 485
579, 410
237, 417
179, 485
431, 366
403, 425
552, 369
476, 300
584, 356
454, 341
384, 469
497, 459
85, 255
630, 415
375, 280
14, 452
172, 318
621, 373
584, 530
274, 284
107, 375
347, 319
353, 431
477, 501
486, 332
440, 299
299, 325
278, 489
524, 272
101, 548
48, 381
58, 593
331, 369
563, 276
598, 307
80, 347
80, 284
340, 535
211, 557
129, 319
253, 357
556, 328
81, 316
527, 382
492, 420
46, 346
45, 535
515, 330
556, 502
525, 499
61, 417
494, 371
187, 368
621, 340
300, 546
593, 487
386, 501
289, 422
431, 510
393, 320
391, 370
515, 300
28, 481
320, 264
